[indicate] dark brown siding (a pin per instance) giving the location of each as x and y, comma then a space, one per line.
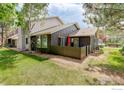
84, 41
49, 41
74, 52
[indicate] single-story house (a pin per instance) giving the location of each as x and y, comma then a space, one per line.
53, 36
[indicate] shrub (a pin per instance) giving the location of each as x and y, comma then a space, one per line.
101, 51
101, 46
122, 50
114, 53
114, 44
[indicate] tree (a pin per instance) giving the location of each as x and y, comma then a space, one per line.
29, 12
7, 16
109, 16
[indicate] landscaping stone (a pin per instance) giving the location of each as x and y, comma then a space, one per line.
94, 69
98, 68
105, 80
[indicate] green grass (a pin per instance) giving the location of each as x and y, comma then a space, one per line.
18, 68
114, 61
24, 69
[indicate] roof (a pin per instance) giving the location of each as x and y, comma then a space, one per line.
84, 32
13, 37
56, 18
51, 29
50, 17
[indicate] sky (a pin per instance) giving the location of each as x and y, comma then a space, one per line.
68, 12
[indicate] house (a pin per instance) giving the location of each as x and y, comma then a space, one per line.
51, 35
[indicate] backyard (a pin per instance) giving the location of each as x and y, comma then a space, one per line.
26, 69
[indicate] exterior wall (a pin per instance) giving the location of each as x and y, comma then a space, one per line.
65, 32
73, 52
21, 39
93, 43
18, 43
43, 24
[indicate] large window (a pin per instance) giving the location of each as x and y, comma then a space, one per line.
72, 42
38, 42
62, 41
76, 42
44, 41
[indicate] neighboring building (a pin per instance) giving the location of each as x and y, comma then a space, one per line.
53, 36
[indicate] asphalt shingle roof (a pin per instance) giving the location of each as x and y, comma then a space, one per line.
51, 29
84, 32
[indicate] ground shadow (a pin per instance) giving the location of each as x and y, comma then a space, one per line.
110, 69
31, 55
35, 57
66, 58
7, 59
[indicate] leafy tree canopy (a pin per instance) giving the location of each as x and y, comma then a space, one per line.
109, 16
31, 11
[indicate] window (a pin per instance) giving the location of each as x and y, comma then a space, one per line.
62, 41
76, 42
72, 42
26, 40
38, 42
44, 41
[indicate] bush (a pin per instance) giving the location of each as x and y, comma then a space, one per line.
113, 44
101, 51
122, 50
102, 45
114, 53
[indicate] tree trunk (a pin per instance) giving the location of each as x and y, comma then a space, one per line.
29, 29
5, 41
2, 36
29, 39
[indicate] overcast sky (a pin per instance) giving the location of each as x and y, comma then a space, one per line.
68, 12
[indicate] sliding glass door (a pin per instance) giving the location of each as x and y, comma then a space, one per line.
44, 41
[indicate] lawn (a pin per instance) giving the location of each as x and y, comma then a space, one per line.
114, 61
17, 68
24, 69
